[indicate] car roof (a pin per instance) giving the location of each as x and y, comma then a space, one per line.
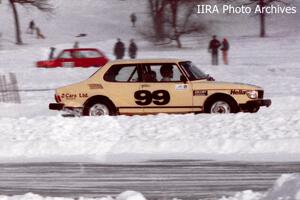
81, 49
156, 60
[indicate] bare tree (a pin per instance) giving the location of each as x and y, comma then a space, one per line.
173, 18
42, 5
157, 8
262, 15
179, 21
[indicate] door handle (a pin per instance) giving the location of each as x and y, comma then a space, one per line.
145, 85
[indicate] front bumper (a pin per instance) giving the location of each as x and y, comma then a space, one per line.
56, 106
263, 102
254, 105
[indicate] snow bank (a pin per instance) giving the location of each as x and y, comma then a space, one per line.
245, 195
127, 195
165, 135
287, 187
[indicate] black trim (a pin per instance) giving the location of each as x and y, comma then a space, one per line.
254, 104
160, 107
264, 102
56, 106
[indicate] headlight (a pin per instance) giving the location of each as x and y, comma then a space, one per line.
252, 94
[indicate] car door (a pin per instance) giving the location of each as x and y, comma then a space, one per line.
121, 83
65, 59
92, 58
158, 95
79, 58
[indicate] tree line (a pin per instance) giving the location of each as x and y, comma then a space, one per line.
171, 19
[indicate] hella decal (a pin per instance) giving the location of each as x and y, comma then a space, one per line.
238, 92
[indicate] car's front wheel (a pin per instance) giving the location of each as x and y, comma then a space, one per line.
220, 107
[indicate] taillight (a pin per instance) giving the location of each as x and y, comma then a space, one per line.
57, 98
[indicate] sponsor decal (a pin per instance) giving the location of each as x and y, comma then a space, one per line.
95, 86
238, 92
69, 96
83, 95
200, 92
181, 87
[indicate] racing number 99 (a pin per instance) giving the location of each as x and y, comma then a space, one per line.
158, 97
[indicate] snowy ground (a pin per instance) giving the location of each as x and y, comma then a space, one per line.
29, 131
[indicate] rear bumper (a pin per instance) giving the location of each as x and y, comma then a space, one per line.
254, 104
56, 106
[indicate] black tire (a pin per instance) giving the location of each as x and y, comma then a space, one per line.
221, 105
254, 109
98, 108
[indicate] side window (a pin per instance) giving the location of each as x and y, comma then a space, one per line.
65, 54
90, 54
78, 54
165, 72
122, 73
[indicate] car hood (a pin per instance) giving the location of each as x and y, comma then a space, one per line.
225, 85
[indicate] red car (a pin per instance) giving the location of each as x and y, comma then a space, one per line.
81, 57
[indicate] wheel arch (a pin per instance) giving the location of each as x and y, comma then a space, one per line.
219, 96
100, 98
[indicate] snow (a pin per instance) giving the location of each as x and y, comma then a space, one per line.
193, 135
30, 132
287, 187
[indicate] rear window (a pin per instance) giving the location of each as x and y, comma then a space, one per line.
122, 73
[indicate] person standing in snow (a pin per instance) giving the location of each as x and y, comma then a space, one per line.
213, 47
76, 45
39, 34
133, 19
51, 55
119, 49
224, 49
31, 27
132, 50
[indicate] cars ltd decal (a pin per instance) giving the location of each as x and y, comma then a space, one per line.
69, 96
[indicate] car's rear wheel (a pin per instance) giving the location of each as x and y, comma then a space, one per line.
98, 108
221, 106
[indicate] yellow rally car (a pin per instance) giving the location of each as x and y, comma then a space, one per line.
149, 86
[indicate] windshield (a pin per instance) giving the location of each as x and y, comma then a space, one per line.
194, 72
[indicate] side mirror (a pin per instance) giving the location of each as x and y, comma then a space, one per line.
209, 78
183, 79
